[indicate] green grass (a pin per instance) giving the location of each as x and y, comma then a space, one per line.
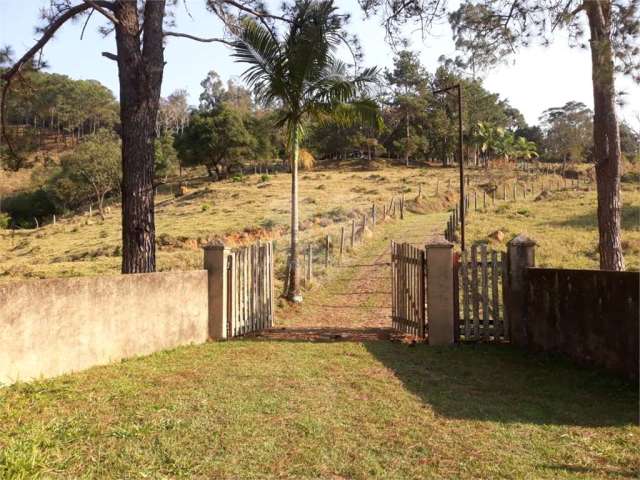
564, 225
258, 409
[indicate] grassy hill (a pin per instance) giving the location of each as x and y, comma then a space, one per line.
258, 207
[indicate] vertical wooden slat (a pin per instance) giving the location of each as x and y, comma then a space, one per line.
474, 291
341, 243
505, 286
393, 286
485, 292
464, 271
497, 324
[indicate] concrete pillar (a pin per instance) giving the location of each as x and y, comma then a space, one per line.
216, 262
440, 292
520, 256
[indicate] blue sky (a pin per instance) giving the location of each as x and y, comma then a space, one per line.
535, 79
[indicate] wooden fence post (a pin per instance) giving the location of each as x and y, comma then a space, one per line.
520, 256
484, 199
310, 264
475, 201
326, 251
341, 242
353, 232
514, 191
402, 207
373, 215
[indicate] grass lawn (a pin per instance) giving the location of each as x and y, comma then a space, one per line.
564, 225
269, 409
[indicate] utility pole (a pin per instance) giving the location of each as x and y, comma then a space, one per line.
458, 88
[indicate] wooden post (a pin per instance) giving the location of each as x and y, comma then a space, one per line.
475, 201
521, 255
310, 264
504, 192
353, 233
514, 191
218, 262
341, 242
437, 186
484, 200
373, 215
54, 218
449, 185
402, 207
439, 256
327, 243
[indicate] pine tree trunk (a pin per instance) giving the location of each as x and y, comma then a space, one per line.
140, 68
294, 272
606, 137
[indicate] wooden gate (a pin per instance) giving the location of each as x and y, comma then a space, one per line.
250, 296
481, 292
408, 289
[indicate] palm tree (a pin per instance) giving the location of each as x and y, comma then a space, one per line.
525, 149
299, 72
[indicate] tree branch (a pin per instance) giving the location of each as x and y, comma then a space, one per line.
197, 39
100, 7
251, 11
110, 56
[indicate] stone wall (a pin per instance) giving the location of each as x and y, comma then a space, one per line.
51, 327
590, 315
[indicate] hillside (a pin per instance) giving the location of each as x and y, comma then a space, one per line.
258, 207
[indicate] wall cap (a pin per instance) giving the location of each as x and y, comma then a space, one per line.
438, 242
522, 240
216, 246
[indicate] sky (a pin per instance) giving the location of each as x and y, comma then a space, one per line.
535, 79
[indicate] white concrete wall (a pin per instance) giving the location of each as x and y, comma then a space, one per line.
51, 327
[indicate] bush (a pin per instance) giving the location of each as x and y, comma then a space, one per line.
238, 177
5, 220
24, 206
265, 178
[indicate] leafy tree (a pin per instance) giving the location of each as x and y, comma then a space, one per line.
166, 156
568, 132
212, 92
215, 140
92, 170
173, 113
140, 61
300, 72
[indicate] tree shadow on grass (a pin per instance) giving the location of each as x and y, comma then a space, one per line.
630, 219
501, 383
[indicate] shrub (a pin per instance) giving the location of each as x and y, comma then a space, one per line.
5, 220
264, 177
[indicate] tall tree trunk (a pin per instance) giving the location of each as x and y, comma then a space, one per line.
294, 271
406, 147
140, 69
606, 136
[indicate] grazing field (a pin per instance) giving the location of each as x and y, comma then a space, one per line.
564, 225
257, 207
241, 211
